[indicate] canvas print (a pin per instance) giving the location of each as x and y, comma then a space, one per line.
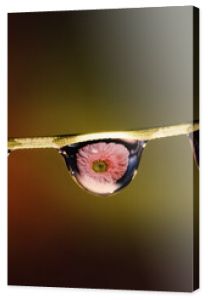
103, 149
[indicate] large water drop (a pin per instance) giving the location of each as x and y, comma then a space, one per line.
103, 167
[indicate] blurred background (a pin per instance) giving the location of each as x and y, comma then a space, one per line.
87, 71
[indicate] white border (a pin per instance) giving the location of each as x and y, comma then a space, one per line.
54, 293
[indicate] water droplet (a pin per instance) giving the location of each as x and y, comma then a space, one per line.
194, 139
103, 167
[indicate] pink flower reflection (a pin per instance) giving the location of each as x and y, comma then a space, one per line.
102, 163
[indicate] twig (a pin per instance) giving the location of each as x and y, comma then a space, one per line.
61, 141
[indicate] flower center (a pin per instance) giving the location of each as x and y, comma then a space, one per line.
99, 166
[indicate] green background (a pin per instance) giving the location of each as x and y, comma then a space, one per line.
87, 71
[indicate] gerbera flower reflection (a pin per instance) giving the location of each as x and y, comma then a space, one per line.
104, 166
101, 164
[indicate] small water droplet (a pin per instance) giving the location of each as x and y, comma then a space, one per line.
119, 157
194, 140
